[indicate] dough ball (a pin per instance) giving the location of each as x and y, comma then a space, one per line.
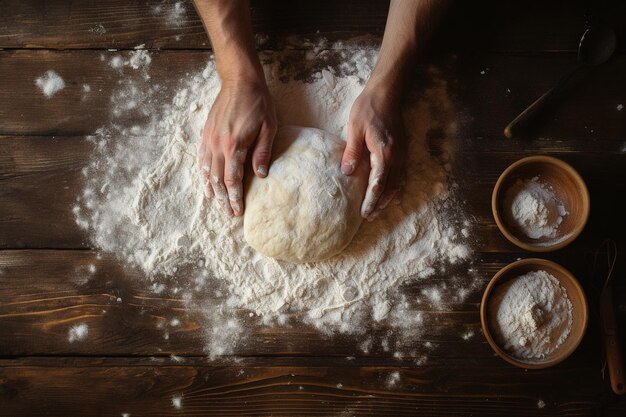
305, 210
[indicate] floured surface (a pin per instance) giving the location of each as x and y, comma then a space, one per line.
144, 202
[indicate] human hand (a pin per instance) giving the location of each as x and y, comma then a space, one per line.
241, 118
376, 124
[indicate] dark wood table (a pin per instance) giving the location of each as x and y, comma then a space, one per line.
124, 366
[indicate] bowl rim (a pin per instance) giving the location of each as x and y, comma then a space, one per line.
484, 316
561, 165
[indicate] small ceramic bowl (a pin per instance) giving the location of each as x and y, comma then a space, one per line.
574, 292
566, 184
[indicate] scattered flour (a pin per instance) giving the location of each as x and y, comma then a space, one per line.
177, 402
143, 201
176, 358
137, 59
172, 12
50, 83
467, 335
531, 315
393, 379
98, 29
535, 208
78, 333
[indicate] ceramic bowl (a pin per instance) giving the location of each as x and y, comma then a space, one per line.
575, 293
567, 186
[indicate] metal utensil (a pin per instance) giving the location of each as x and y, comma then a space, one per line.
596, 46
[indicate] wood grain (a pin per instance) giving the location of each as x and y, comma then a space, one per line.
75, 386
45, 292
486, 102
58, 24
496, 58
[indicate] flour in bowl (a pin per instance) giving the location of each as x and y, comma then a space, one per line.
535, 208
531, 315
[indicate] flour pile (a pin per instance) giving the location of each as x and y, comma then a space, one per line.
143, 201
532, 315
50, 83
535, 208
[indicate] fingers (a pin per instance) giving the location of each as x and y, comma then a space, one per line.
227, 158
263, 150
204, 163
217, 182
394, 181
380, 159
233, 177
205, 170
354, 150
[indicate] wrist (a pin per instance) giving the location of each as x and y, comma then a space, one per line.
384, 88
390, 74
239, 67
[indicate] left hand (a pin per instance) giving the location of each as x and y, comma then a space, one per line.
376, 124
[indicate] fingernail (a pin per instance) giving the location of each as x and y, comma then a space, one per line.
262, 171
348, 167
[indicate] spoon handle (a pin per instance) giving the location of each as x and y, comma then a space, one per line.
518, 124
612, 346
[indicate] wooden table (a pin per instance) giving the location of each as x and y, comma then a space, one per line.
499, 57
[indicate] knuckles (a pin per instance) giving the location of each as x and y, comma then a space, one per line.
233, 181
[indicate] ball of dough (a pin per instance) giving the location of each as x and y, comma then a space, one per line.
306, 209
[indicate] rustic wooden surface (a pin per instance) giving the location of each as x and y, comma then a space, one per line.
125, 365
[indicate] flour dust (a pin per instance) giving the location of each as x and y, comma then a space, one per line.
144, 202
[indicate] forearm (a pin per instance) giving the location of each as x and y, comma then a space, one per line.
409, 26
230, 31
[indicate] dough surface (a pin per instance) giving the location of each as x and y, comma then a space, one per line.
305, 210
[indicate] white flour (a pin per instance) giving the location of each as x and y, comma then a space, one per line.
143, 201
531, 314
535, 208
78, 333
50, 83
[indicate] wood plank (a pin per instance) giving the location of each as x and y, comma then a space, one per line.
493, 90
484, 102
45, 292
41, 177
140, 387
529, 26
71, 111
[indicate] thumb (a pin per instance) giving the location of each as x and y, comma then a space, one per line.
354, 150
263, 150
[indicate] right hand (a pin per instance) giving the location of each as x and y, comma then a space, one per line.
242, 118
375, 126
